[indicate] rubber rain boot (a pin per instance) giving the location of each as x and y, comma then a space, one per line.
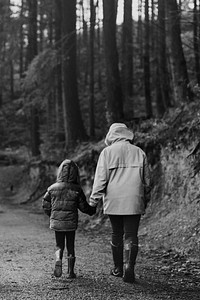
117, 252
71, 263
131, 251
58, 264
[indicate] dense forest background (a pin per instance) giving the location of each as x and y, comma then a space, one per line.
70, 68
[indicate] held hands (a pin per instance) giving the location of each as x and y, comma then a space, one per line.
92, 210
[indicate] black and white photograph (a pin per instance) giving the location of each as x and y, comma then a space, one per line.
99, 149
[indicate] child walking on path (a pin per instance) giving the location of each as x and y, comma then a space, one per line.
61, 203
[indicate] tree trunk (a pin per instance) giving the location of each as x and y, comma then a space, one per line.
140, 32
114, 89
127, 59
195, 42
58, 73
159, 103
177, 54
31, 53
74, 128
161, 55
92, 36
147, 63
85, 45
11, 80
99, 47
153, 27
21, 53
2, 48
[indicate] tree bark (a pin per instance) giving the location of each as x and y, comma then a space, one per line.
85, 44
99, 47
147, 63
12, 92
196, 42
92, 36
21, 53
3, 9
31, 53
74, 128
140, 33
58, 73
161, 55
127, 59
177, 54
114, 89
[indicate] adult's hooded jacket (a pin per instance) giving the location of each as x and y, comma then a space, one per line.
122, 176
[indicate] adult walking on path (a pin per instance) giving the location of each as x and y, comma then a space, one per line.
122, 179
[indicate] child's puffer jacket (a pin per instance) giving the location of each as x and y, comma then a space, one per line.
63, 199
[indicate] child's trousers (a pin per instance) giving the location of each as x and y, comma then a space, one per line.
69, 237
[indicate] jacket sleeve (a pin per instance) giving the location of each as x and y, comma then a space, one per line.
46, 203
147, 182
100, 180
84, 206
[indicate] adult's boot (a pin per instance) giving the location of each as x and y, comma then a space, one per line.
71, 263
58, 264
130, 253
117, 253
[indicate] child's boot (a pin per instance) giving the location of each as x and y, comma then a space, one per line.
58, 264
71, 263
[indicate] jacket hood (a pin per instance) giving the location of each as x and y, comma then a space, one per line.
118, 132
68, 172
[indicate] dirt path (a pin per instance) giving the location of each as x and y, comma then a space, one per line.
27, 260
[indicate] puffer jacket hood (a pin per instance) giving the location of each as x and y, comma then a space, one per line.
118, 132
68, 172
